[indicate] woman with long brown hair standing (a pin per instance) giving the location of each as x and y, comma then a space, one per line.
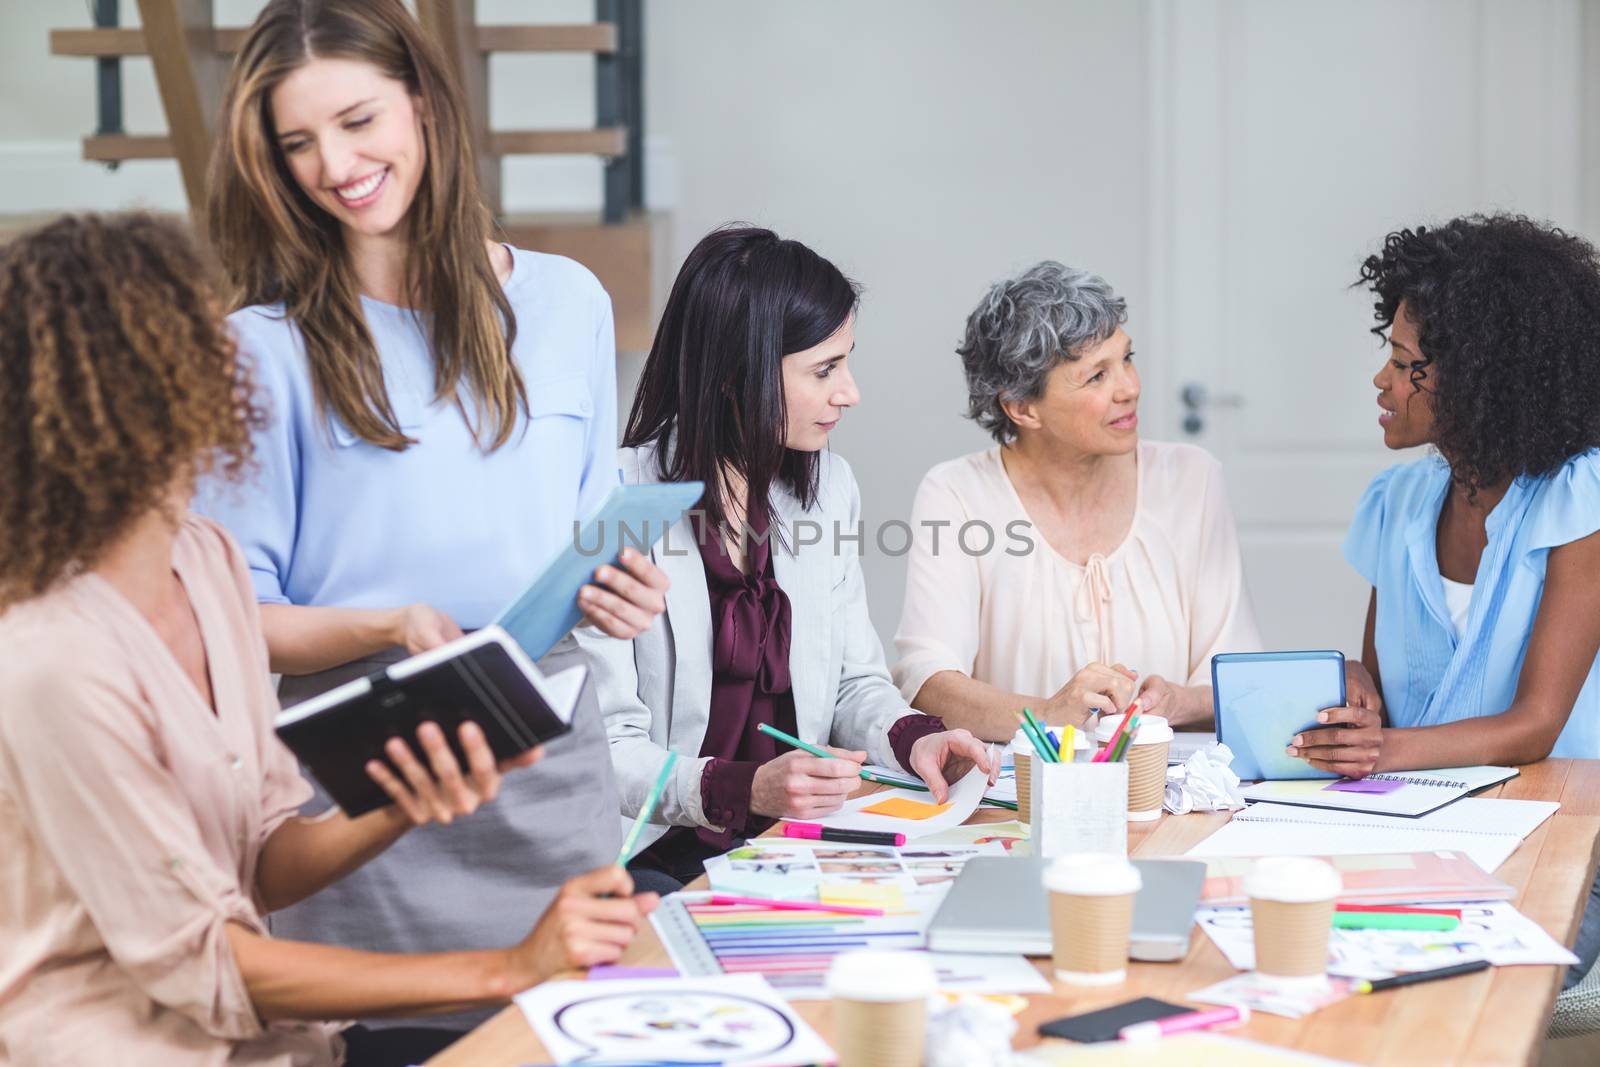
442, 409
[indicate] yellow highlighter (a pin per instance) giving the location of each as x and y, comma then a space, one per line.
1069, 739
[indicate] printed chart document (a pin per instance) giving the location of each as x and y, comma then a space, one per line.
735, 1018
1487, 830
1493, 931
1412, 793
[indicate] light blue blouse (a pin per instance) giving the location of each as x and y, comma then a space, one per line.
333, 521
1429, 676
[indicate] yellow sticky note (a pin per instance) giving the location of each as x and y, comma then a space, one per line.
852, 894
901, 808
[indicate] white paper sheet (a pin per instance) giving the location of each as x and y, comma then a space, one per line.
727, 1018
1496, 932
961, 802
1487, 830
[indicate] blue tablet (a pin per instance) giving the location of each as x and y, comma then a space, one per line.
1262, 699
631, 516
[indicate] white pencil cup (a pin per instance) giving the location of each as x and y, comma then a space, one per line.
1078, 807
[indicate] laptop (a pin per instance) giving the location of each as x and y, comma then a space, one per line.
998, 905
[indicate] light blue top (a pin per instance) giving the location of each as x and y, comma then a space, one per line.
333, 521
1428, 675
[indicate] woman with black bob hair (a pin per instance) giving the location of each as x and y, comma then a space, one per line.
1484, 620
766, 618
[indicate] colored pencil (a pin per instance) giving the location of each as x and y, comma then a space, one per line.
790, 739
1039, 744
1105, 753
649, 809
1042, 730
1120, 753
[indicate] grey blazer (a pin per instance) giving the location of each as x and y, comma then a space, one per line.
655, 691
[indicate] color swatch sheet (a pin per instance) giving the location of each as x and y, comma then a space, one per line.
785, 869
794, 949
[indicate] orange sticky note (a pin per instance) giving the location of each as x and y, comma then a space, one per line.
901, 808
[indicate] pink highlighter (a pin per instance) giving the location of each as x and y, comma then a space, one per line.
1214, 1019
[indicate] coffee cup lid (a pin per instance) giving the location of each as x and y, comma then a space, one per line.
1292, 880
1153, 729
889, 977
1092, 874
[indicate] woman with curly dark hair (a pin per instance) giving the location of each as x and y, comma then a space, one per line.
149, 811
1484, 621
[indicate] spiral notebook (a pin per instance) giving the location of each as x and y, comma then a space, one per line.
1412, 793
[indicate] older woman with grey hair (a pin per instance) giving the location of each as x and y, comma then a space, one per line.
1071, 566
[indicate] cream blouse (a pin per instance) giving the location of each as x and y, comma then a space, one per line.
1024, 619
131, 820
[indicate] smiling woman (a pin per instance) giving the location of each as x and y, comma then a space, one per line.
442, 409
1130, 555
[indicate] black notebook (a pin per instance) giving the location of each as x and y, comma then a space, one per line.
484, 677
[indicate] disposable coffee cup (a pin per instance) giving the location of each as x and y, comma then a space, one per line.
1291, 909
1146, 756
1022, 755
1091, 915
880, 1007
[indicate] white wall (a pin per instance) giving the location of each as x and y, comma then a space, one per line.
927, 147
931, 146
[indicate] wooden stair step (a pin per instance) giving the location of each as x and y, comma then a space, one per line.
596, 37
609, 142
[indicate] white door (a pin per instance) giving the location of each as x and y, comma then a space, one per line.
1287, 139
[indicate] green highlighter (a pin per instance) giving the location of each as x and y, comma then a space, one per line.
1373, 920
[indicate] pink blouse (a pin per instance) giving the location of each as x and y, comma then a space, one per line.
131, 821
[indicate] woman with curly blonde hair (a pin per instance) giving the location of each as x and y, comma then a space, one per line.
147, 811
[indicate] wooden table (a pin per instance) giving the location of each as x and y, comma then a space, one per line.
1496, 1017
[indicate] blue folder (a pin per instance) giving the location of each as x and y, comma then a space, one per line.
632, 516
1262, 699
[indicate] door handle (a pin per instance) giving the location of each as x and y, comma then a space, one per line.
1196, 398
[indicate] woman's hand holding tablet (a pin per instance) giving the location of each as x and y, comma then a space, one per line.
1351, 748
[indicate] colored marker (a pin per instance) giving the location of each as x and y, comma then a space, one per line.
1380, 984
1213, 1019
810, 831
1371, 920
1397, 909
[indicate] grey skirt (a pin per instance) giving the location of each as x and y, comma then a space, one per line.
483, 881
